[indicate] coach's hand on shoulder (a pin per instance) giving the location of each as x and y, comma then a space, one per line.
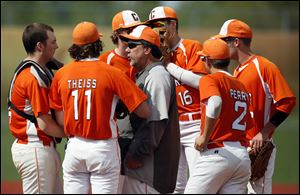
132, 163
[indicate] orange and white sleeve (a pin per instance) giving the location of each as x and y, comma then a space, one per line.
284, 99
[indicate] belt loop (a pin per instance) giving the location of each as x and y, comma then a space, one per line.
190, 115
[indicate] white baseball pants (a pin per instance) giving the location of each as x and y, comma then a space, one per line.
224, 170
91, 163
189, 130
39, 167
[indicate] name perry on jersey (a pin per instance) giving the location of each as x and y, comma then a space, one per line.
82, 83
238, 95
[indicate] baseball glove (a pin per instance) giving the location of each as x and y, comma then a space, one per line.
260, 160
164, 47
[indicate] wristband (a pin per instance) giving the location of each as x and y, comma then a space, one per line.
278, 117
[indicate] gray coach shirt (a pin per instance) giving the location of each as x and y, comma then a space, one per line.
156, 141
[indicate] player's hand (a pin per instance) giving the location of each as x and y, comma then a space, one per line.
132, 163
256, 142
200, 143
166, 54
164, 46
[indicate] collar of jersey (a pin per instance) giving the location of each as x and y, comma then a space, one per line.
89, 59
225, 72
177, 45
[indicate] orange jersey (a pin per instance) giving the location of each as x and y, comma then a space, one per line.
185, 56
88, 92
267, 86
235, 118
28, 96
123, 64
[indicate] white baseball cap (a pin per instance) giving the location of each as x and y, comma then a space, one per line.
125, 19
235, 28
162, 12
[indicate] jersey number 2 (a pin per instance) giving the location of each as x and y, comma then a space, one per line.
87, 93
236, 123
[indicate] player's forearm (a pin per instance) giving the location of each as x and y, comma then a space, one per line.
268, 130
49, 126
209, 127
143, 110
187, 77
59, 117
276, 119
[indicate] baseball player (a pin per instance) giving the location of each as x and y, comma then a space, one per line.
122, 23
272, 98
184, 56
151, 162
86, 92
223, 164
33, 151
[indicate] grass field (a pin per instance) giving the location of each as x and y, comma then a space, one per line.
282, 48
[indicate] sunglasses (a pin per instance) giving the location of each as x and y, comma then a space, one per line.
229, 39
204, 58
132, 44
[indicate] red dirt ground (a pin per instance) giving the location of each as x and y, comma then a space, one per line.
15, 187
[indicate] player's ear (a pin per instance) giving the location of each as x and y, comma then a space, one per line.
172, 23
236, 42
39, 46
147, 50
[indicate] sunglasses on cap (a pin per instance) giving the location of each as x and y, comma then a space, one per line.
132, 44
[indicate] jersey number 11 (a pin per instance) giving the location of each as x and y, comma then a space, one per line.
88, 94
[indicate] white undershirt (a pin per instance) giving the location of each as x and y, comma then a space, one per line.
214, 105
187, 77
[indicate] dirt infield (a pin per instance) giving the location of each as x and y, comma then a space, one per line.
15, 187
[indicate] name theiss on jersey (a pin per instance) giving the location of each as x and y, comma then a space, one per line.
82, 83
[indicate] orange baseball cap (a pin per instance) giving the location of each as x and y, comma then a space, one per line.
162, 12
235, 28
215, 49
143, 32
85, 33
125, 19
